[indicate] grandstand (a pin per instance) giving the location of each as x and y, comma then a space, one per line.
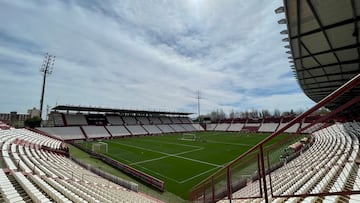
177, 128
36, 168
323, 40
136, 130
269, 124
265, 125
324, 166
96, 132
65, 133
80, 123
165, 128
222, 127
211, 126
324, 170
114, 120
235, 127
152, 129
268, 127
297, 177
252, 125
118, 131
75, 119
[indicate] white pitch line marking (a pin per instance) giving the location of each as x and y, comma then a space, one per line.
163, 157
172, 155
193, 177
159, 174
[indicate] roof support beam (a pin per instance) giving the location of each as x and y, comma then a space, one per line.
356, 28
324, 33
352, 46
341, 23
315, 59
355, 61
331, 74
298, 16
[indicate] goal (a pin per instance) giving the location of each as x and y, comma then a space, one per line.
99, 147
188, 137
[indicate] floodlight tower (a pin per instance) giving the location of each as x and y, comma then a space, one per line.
198, 97
46, 69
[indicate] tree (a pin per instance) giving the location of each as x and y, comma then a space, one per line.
254, 113
321, 111
232, 114
220, 114
217, 115
265, 113
33, 122
277, 113
299, 111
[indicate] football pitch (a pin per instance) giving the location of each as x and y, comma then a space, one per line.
181, 164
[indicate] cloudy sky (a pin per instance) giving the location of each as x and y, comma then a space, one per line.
147, 54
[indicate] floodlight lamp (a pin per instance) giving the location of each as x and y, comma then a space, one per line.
281, 9
284, 32
282, 21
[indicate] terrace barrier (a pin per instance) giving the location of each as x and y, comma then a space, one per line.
127, 184
146, 178
253, 168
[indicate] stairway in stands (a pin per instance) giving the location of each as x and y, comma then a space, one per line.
2, 162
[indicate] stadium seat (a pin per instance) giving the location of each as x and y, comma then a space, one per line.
48, 177
328, 165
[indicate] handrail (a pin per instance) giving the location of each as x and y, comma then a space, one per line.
332, 96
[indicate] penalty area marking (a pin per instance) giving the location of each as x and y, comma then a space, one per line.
177, 181
200, 174
170, 155
163, 157
159, 174
177, 156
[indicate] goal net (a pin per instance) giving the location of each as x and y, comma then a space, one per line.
100, 147
188, 137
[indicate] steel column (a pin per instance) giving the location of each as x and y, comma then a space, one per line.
263, 173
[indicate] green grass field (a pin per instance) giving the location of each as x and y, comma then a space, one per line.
181, 164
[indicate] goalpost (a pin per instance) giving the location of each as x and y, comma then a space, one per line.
96, 147
189, 137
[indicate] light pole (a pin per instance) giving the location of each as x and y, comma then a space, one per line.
198, 97
46, 69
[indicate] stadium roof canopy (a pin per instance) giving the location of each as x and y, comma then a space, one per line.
115, 111
324, 43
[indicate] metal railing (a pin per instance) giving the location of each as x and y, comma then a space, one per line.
260, 160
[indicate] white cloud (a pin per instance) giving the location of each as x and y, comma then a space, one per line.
148, 55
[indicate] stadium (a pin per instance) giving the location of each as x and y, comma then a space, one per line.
96, 154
